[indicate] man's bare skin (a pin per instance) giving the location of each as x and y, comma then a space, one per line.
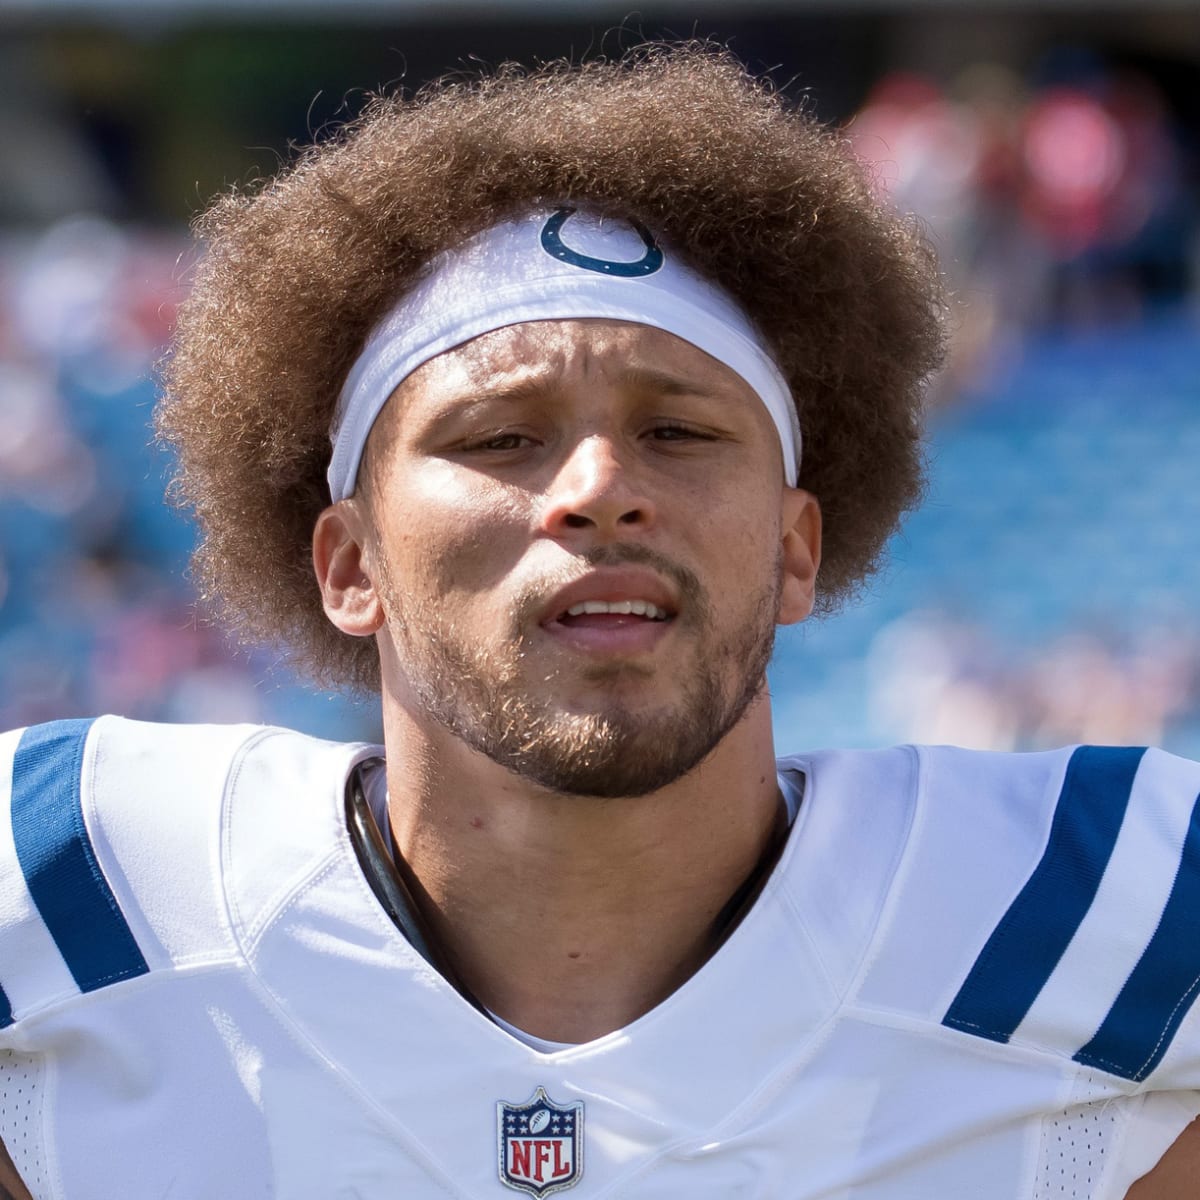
1177, 1176
11, 1187
634, 882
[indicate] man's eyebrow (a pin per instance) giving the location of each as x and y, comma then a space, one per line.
530, 388
651, 379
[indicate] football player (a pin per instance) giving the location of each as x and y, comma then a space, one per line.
536, 403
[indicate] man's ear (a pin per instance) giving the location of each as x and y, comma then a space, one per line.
340, 561
801, 555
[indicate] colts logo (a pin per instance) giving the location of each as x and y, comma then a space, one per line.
552, 243
541, 1144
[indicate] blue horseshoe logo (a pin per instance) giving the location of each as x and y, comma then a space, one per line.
552, 243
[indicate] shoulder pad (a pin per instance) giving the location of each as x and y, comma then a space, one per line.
108, 848
1096, 955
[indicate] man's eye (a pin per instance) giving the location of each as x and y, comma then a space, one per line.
670, 432
499, 442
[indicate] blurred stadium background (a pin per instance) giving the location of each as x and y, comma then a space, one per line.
1046, 592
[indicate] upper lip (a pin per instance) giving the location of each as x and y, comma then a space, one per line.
613, 585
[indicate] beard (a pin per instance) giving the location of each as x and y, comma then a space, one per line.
482, 696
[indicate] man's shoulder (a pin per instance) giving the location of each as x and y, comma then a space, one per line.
1047, 900
113, 840
112, 761
118, 735
1099, 786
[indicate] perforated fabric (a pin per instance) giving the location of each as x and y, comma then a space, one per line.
1075, 1147
21, 1118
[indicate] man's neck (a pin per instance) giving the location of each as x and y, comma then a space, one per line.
571, 916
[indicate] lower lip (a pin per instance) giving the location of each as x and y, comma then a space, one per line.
609, 633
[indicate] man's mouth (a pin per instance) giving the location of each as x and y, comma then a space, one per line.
643, 609
613, 611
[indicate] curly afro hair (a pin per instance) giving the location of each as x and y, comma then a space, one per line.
758, 196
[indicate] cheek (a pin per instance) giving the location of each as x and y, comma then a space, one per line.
750, 536
455, 534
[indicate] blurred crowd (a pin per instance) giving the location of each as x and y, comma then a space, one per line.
95, 614
1056, 203
942, 679
1067, 201
96, 609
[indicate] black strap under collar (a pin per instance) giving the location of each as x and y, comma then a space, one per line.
387, 880
382, 871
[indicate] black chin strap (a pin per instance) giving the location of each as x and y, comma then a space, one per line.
392, 891
387, 881
742, 901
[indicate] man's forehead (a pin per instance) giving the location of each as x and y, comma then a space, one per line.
534, 352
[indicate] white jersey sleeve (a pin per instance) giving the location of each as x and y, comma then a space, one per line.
125, 1007
97, 886
1098, 953
1048, 911
1052, 901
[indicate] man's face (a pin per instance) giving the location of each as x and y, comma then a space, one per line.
577, 546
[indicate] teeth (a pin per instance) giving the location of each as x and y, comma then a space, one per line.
642, 608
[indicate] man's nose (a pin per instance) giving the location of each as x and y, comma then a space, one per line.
596, 489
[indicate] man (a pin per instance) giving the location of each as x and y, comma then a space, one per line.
576, 337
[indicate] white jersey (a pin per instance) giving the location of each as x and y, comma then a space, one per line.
969, 974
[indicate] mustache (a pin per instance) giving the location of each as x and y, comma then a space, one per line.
693, 598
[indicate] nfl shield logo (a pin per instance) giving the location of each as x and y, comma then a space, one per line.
541, 1144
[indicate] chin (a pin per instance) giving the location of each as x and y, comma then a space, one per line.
611, 756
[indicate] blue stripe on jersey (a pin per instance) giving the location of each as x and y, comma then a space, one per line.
1025, 947
58, 860
1148, 1011
6, 1017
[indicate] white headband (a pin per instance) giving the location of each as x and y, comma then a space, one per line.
552, 265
